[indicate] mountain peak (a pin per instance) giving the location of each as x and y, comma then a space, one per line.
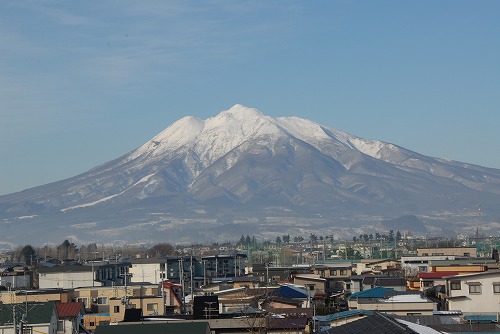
219, 177
240, 111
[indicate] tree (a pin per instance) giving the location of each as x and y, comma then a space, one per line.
161, 249
286, 239
66, 250
298, 239
391, 235
27, 254
278, 240
398, 235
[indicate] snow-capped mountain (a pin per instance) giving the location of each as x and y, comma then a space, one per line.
242, 172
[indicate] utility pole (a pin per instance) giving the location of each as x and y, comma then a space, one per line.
163, 288
191, 282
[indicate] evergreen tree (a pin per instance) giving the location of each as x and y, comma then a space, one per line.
27, 254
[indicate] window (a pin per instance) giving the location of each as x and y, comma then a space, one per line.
422, 269
83, 300
475, 288
343, 272
455, 285
321, 273
152, 307
60, 326
496, 287
102, 300
116, 309
333, 272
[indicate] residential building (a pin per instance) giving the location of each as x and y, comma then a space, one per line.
40, 318
448, 251
400, 304
272, 274
80, 275
314, 284
476, 293
411, 265
16, 277
432, 279
69, 315
380, 323
336, 274
375, 266
395, 283
224, 265
32, 296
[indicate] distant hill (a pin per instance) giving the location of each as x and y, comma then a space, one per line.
405, 223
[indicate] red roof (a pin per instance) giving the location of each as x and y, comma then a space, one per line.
70, 310
439, 274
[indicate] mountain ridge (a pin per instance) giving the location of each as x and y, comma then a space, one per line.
242, 165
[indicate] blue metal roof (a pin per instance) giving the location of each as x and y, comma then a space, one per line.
289, 291
347, 314
481, 318
378, 292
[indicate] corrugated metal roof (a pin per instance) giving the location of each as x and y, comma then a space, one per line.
481, 318
378, 292
39, 313
438, 274
70, 310
347, 314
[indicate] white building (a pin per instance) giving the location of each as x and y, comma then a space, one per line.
79, 275
415, 264
148, 270
477, 293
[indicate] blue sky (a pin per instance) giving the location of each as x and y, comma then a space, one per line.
84, 82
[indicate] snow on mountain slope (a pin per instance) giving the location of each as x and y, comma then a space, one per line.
242, 164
